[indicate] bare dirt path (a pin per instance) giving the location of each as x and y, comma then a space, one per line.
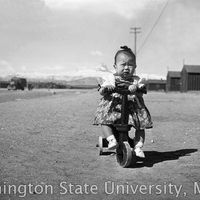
47, 146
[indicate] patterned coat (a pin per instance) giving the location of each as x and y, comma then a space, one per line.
109, 109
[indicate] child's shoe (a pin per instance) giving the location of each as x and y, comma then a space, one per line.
139, 152
112, 142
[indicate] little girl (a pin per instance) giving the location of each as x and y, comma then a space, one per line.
109, 110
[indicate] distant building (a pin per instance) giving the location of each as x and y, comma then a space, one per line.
173, 81
17, 83
190, 78
4, 84
156, 84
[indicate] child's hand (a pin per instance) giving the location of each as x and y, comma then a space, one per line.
132, 88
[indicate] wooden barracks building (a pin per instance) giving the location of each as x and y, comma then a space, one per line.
186, 80
190, 78
156, 85
173, 81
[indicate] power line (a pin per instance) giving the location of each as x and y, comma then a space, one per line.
154, 25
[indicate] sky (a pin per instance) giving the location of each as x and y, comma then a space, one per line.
72, 36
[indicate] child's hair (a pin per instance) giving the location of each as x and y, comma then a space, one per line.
126, 50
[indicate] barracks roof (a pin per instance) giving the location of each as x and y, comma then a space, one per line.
156, 81
175, 74
192, 68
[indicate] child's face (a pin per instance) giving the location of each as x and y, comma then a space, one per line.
125, 65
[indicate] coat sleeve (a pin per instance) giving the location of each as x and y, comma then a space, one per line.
140, 82
108, 80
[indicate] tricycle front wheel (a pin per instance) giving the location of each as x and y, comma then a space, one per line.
124, 154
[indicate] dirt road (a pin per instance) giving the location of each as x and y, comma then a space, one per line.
47, 150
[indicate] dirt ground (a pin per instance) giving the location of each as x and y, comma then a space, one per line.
48, 149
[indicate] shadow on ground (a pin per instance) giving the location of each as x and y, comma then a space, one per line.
154, 157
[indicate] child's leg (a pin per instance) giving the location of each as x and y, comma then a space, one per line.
107, 130
139, 142
139, 138
109, 135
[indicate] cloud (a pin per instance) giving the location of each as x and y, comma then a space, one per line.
6, 68
96, 53
125, 8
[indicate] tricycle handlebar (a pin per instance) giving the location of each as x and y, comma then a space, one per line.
125, 91
121, 90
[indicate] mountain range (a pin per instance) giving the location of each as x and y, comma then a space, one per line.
79, 77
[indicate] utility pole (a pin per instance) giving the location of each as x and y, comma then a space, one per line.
135, 31
183, 61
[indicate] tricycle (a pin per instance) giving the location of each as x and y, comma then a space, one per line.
125, 150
